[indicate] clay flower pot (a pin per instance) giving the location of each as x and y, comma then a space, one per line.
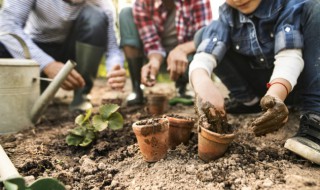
153, 137
157, 103
179, 129
212, 145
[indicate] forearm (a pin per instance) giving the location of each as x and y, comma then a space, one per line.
155, 58
187, 47
279, 88
288, 66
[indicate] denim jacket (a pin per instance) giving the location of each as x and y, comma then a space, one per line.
272, 27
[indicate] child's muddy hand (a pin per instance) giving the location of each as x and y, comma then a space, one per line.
275, 116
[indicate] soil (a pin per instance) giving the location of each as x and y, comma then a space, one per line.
114, 160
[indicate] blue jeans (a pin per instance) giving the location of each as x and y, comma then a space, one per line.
244, 82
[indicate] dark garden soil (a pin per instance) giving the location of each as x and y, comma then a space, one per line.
114, 160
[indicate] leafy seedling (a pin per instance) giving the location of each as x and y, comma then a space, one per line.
88, 126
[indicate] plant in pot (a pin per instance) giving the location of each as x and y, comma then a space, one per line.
179, 129
88, 126
157, 103
152, 136
214, 132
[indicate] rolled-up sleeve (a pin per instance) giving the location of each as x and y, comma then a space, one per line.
288, 34
215, 40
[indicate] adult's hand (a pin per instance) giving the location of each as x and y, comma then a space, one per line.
177, 62
117, 77
149, 73
74, 79
275, 116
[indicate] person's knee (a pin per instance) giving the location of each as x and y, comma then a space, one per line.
311, 11
94, 17
125, 15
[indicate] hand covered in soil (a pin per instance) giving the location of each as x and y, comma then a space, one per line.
275, 116
209, 117
177, 63
117, 77
73, 81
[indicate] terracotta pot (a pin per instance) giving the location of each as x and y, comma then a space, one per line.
179, 130
157, 103
212, 145
152, 138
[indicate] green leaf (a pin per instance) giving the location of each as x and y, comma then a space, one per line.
79, 131
98, 123
79, 120
107, 110
15, 183
116, 121
90, 136
74, 140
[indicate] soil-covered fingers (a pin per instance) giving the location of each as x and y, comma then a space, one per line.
269, 126
275, 116
148, 75
267, 102
199, 105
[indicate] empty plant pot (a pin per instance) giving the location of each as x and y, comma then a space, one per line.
179, 129
152, 136
157, 103
212, 145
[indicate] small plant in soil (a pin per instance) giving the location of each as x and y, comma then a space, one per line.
88, 126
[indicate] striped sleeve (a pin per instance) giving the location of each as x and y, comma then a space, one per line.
13, 17
114, 54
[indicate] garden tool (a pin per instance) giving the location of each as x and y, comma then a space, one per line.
88, 58
12, 180
20, 91
135, 65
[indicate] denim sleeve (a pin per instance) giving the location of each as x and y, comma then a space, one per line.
288, 32
214, 39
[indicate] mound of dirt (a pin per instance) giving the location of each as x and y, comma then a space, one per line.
114, 160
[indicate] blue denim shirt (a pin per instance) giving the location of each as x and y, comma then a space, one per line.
272, 27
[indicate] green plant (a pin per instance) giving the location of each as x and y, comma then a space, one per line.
87, 127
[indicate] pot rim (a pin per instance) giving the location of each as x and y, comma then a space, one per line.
210, 135
163, 124
189, 123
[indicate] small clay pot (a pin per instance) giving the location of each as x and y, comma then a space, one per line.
153, 137
179, 129
212, 145
157, 103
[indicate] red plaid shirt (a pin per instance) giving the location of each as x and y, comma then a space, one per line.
150, 16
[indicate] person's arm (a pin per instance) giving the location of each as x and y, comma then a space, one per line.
178, 59
114, 57
200, 71
151, 69
288, 66
142, 13
13, 17
113, 54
